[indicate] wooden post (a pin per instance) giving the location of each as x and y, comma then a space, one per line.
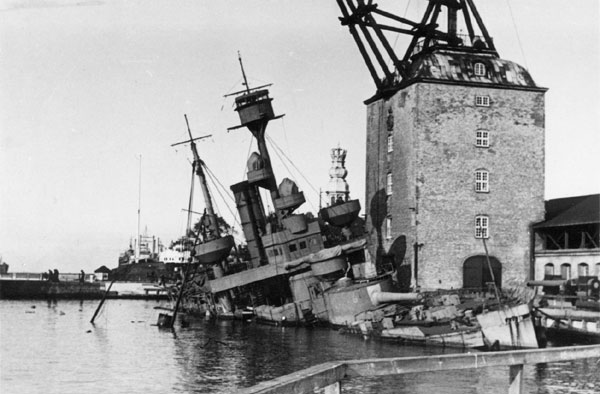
489, 263
180, 295
515, 379
103, 299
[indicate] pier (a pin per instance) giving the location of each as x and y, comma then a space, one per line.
328, 377
32, 286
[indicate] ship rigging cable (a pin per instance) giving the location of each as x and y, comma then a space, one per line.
277, 148
279, 152
517, 33
228, 92
216, 185
391, 62
279, 155
247, 157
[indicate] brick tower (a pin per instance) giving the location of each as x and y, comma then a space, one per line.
455, 151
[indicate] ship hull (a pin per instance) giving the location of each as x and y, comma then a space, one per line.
443, 336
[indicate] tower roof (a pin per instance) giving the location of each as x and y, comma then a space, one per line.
449, 65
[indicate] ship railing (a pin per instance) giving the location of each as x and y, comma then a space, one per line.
328, 377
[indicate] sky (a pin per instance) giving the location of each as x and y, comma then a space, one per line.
93, 93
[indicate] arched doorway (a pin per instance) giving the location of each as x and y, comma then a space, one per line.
476, 272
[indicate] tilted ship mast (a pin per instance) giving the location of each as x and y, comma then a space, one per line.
211, 246
254, 108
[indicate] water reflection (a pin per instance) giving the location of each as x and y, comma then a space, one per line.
580, 376
50, 347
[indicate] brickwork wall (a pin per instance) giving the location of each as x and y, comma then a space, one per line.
434, 202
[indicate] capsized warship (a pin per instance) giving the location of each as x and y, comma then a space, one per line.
298, 274
295, 274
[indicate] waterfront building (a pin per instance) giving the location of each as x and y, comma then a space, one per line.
568, 241
455, 158
455, 150
102, 273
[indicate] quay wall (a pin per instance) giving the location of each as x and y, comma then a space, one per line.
16, 289
43, 289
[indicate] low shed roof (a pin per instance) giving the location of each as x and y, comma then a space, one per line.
571, 211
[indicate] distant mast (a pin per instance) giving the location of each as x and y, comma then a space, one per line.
139, 212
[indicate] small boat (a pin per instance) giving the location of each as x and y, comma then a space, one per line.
509, 327
451, 319
444, 335
572, 325
570, 309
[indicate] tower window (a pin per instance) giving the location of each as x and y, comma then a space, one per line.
481, 181
482, 138
481, 227
480, 69
482, 101
390, 143
565, 271
388, 187
388, 228
548, 269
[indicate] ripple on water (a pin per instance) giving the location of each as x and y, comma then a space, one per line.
56, 350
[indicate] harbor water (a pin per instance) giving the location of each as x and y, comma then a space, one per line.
51, 347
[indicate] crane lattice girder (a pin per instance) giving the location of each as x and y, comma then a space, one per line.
361, 14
